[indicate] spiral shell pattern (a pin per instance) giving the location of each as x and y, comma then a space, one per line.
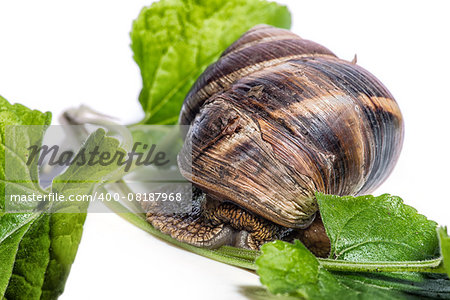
278, 118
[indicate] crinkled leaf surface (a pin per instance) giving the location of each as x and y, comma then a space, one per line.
382, 228
15, 228
290, 269
38, 249
361, 229
175, 40
31, 261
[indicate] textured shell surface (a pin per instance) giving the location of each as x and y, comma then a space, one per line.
278, 118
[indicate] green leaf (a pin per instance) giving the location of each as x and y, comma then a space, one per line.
290, 269
286, 268
80, 179
66, 223
396, 285
65, 230
383, 228
15, 228
12, 230
358, 233
444, 241
38, 249
31, 261
18, 139
175, 40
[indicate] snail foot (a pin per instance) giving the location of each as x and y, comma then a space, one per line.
314, 238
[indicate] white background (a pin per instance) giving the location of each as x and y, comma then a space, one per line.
59, 54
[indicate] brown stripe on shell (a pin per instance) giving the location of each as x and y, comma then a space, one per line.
251, 57
380, 112
383, 116
384, 158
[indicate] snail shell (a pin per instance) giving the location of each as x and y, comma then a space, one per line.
278, 118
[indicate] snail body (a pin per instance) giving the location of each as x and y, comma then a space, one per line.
274, 120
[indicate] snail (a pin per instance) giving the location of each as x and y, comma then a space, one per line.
274, 120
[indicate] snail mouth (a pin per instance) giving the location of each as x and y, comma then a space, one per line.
313, 236
230, 236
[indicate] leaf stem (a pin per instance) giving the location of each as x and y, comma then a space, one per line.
426, 266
